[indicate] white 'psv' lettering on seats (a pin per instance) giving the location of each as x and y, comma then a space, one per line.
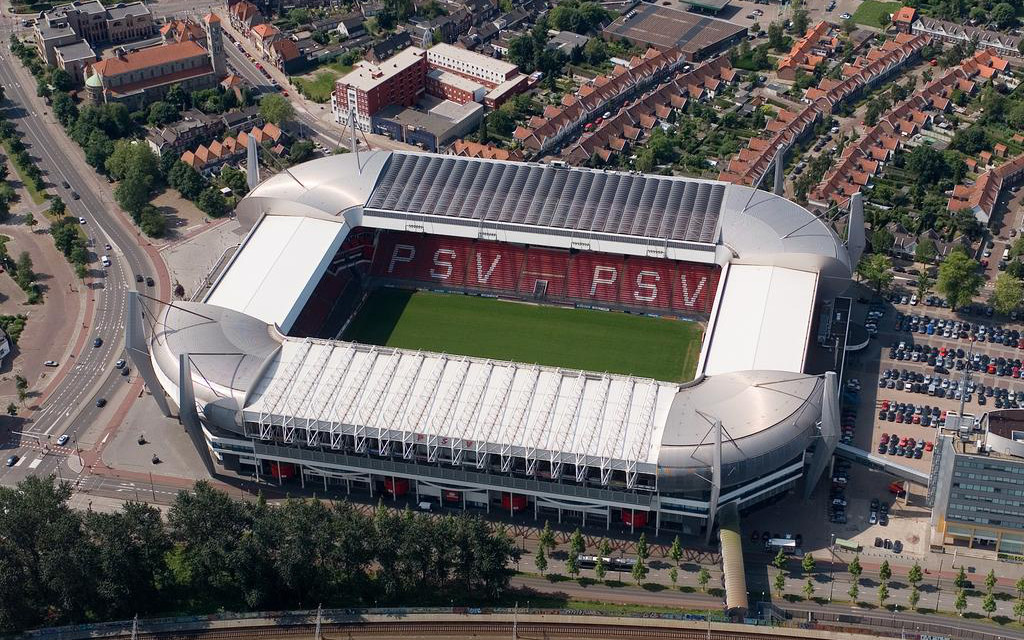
689, 300
481, 276
650, 289
402, 253
448, 266
611, 274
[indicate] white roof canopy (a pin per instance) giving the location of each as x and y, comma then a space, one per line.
763, 320
454, 404
276, 269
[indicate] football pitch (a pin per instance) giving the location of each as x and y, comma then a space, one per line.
657, 348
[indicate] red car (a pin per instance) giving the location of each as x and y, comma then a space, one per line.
928, 446
885, 438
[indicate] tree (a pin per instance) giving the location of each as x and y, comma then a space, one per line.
61, 80
990, 580
927, 164
676, 550
23, 273
234, 179
924, 285
97, 149
961, 579
883, 594
64, 109
600, 571
130, 159
925, 251
132, 194
572, 564
854, 568
854, 591
1019, 585
541, 560
807, 563
780, 583
595, 51
300, 151
809, 588
1003, 14
776, 37
546, 538
779, 561
960, 603
875, 268
703, 578
915, 597
21, 384
1018, 609
673, 576
914, 575
988, 604
162, 113
212, 202
970, 140
640, 571
186, 180
959, 279
276, 108
176, 96
642, 551
1007, 293
576, 542
885, 572
30, 220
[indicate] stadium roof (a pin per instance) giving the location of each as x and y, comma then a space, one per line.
548, 196
283, 260
464, 403
763, 320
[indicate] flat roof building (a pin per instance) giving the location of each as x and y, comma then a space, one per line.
698, 37
74, 58
369, 87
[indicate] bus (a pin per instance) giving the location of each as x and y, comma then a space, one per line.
788, 546
610, 564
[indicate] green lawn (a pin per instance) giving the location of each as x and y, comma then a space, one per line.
870, 12
320, 87
555, 336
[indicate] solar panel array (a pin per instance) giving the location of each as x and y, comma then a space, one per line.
548, 196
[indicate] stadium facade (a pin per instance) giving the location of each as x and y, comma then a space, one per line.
263, 385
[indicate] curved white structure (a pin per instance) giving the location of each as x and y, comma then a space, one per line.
476, 429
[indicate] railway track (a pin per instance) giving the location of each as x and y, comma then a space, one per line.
411, 629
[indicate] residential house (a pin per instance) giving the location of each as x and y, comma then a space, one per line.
388, 47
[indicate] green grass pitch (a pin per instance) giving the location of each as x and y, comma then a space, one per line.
657, 348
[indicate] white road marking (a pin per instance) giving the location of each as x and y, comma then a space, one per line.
18, 463
35, 463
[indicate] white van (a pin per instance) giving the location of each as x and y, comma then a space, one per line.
105, 260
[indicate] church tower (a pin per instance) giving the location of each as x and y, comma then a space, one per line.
215, 44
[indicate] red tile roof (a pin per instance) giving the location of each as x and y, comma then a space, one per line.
150, 57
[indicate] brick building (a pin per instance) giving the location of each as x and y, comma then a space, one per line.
140, 77
399, 80
92, 22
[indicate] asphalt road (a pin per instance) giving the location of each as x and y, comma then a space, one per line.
71, 405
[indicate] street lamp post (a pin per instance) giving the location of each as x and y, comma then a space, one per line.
831, 567
938, 589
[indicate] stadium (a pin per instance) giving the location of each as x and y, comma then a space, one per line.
601, 347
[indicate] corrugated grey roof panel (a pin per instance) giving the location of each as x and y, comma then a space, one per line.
548, 196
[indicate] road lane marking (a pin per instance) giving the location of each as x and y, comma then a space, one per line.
35, 463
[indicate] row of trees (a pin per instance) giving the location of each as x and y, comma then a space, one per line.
213, 553
959, 280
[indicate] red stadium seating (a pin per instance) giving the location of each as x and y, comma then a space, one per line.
320, 303
647, 282
599, 278
411, 256
595, 277
544, 265
693, 287
495, 266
